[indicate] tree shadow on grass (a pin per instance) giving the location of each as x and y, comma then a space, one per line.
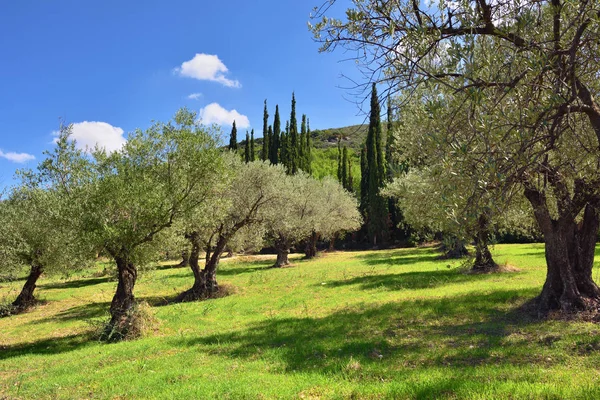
47, 346
458, 331
411, 280
83, 312
76, 284
238, 268
402, 257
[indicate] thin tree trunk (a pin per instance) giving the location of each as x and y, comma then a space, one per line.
332, 243
26, 299
123, 300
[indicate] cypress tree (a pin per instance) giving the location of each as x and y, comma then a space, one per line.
339, 169
376, 207
275, 138
350, 187
345, 167
284, 151
233, 138
395, 215
302, 146
266, 136
308, 148
293, 144
247, 148
364, 181
252, 155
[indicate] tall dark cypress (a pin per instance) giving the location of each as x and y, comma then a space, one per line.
293, 144
339, 165
364, 181
302, 145
252, 155
266, 136
233, 145
345, 167
350, 187
275, 138
284, 151
376, 207
247, 148
308, 148
392, 168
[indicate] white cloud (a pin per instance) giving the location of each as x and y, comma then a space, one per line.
215, 114
194, 96
88, 134
17, 157
207, 67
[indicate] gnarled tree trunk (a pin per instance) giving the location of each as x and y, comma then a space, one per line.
205, 280
570, 247
26, 299
185, 259
311, 245
484, 261
282, 246
123, 300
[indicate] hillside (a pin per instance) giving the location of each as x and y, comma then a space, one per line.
352, 136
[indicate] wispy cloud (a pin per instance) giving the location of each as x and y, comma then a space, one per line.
215, 114
17, 157
194, 96
207, 67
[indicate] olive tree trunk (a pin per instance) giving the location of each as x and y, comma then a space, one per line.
123, 300
185, 259
205, 280
484, 262
26, 299
311, 245
570, 247
282, 246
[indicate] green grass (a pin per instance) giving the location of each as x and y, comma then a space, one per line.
386, 324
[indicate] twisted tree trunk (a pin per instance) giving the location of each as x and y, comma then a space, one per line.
311, 245
570, 248
123, 300
282, 246
484, 261
205, 280
26, 299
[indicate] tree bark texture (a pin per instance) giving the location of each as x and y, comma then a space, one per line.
123, 300
205, 280
311, 245
570, 247
484, 261
26, 299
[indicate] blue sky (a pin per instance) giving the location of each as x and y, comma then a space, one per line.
112, 66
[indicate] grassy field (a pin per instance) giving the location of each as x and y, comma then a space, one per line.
387, 324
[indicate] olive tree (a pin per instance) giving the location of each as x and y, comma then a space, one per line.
245, 197
129, 196
336, 213
523, 74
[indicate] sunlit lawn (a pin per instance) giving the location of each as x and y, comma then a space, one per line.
386, 324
